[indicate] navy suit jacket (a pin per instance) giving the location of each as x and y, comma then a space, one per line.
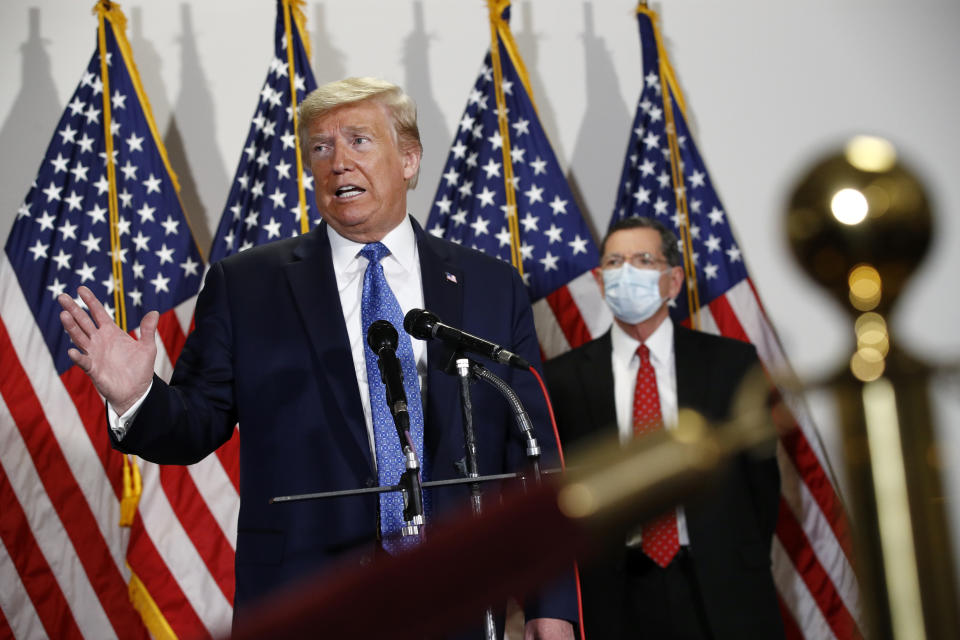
730, 525
270, 351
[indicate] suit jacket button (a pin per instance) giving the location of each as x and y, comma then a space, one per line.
370, 482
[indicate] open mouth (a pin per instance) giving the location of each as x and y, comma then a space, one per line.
348, 191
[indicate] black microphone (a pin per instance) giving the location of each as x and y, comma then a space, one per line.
424, 325
382, 338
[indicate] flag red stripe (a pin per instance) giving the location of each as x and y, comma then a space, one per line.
727, 320
811, 473
150, 568
171, 334
93, 414
35, 573
568, 317
200, 525
162, 589
756, 296
173, 339
5, 630
795, 443
821, 587
229, 454
791, 631
182, 493
809, 469
61, 487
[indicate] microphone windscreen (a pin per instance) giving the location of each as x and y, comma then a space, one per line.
382, 334
419, 323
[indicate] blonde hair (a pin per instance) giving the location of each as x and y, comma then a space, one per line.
332, 95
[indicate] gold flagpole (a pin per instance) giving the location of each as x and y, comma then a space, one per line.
120, 312
669, 88
288, 7
496, 22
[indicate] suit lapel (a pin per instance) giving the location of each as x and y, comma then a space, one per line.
597, 379
590, 377
692, 390
691, 380
443, 282
314, 286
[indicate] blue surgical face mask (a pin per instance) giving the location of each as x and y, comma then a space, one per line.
632, 294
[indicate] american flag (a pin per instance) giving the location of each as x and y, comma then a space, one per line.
271, 183
103, 212
264, 204
811, 550
553, 243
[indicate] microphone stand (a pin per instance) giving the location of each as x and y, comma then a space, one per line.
410, 488
467, 369
410, 484
470, 449
321, 495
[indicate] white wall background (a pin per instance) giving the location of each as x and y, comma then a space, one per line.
770, 86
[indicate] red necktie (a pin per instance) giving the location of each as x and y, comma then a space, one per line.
660, 538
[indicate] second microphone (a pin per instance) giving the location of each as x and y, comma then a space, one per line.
424, 325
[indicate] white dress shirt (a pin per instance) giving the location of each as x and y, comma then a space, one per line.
402, 270
626, 364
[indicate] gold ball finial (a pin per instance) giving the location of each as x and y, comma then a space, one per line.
859, 224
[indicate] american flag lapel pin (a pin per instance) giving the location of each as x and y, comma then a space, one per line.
450, 277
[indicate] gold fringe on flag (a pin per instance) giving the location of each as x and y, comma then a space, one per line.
153, 620
132, 489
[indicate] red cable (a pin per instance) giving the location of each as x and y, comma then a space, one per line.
563, 467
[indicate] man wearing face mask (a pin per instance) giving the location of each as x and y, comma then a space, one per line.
703, 569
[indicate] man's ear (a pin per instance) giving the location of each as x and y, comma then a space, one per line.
675, 276
410, 158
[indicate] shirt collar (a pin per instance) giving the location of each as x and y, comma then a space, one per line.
401, 241
660, 343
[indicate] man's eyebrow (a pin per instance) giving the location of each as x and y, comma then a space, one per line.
350, 130
360, 130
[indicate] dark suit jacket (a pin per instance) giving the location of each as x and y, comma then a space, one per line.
270, 351
730, 526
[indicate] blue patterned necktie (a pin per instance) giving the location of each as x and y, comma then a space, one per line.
377, 302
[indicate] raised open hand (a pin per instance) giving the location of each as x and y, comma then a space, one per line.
120, 367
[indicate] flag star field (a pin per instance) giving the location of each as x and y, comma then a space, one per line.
61, 235
470, 206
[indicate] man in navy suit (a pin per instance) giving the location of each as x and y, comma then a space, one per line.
704, 573
279, 348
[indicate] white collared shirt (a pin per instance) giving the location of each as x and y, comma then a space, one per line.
626, 364
402, 270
